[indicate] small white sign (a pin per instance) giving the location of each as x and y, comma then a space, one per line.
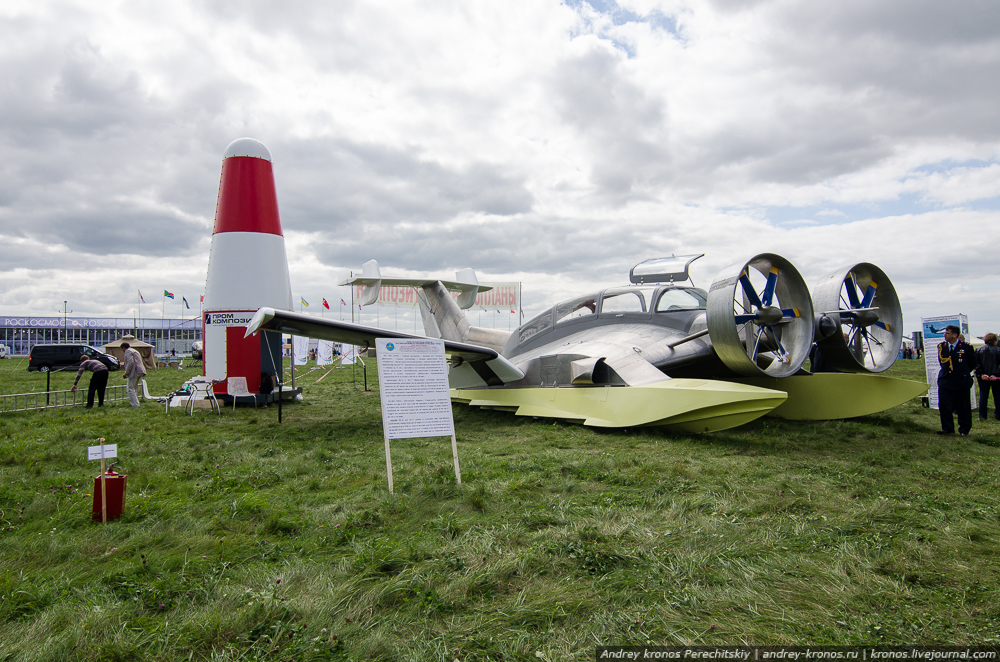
413, 379
94, 452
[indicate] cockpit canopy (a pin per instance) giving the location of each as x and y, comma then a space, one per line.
618, 302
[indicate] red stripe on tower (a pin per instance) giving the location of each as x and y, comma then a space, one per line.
247, 200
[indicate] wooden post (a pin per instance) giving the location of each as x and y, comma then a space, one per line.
104, 491
388, 463
454, 452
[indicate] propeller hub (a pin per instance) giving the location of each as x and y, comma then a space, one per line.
866, 318
769, 315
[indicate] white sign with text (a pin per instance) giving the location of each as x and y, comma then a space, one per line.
413, 382
110, 451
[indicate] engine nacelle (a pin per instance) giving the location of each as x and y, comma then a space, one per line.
859, 322
760, 317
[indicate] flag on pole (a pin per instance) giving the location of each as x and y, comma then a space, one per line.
169, 295
325, 304
140, 297
342, 302
203, 298
184, 299
304, 302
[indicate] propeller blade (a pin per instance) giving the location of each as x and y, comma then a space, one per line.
790, 312
852, 291
743, 319
753, 356
869, 295
883, 325
772, 278
782, 353
749, 291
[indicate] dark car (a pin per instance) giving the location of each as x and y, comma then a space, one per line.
44, 358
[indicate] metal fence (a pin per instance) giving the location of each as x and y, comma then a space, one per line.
51, 399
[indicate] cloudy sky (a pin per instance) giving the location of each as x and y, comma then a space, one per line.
556, 143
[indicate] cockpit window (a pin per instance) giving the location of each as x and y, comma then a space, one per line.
632, 300
681, 298
535, 326
576, 308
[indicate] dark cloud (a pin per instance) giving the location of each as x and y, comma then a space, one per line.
96, 164
902, 70
576, 248
622, 125
337, 185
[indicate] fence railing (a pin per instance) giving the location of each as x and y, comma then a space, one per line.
49, 399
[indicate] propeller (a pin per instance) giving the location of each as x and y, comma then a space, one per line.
761, 328
859, 328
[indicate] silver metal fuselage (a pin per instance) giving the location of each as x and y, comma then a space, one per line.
610, 346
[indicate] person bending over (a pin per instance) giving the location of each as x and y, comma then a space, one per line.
98, 381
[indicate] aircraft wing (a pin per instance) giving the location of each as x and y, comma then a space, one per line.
483, 364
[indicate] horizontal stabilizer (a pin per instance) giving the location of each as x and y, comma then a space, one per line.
465, 283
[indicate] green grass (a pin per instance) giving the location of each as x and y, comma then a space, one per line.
867, 531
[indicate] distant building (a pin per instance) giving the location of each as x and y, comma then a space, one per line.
20, 334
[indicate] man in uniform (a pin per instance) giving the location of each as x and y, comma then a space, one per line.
957, 360
98, 382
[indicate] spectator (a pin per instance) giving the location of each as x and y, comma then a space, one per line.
98, 381
988, 374
134, 372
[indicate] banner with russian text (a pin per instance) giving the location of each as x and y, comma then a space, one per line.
503, 296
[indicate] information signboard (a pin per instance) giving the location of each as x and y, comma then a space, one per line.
416, 402
933, 332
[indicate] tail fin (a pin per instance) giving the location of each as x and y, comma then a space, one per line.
438, 306
441, 312
371, 278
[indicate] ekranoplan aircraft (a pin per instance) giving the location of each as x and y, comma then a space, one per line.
659, 352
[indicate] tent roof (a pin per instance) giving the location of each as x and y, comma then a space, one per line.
130, 339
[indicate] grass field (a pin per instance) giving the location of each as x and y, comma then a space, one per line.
243, 539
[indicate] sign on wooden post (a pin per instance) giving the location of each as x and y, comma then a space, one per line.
100, 453
416, 402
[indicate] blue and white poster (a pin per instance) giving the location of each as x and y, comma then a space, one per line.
933, 336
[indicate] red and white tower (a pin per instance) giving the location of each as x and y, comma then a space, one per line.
247, 268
